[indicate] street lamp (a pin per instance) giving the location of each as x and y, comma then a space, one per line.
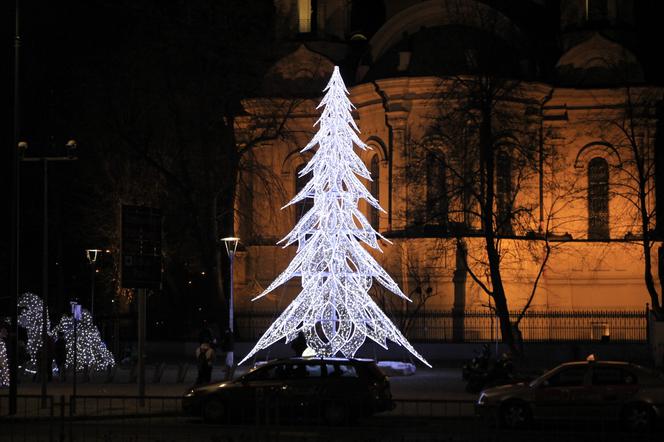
231, 247
92, 254
76, 317
70, 149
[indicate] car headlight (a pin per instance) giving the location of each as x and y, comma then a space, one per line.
482, 399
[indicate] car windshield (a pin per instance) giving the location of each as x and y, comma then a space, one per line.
575, 371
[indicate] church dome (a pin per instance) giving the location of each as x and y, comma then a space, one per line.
303, 72
598, 61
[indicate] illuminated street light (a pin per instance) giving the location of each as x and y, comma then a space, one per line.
231, 247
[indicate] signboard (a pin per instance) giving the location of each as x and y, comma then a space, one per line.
76, 310
141, 247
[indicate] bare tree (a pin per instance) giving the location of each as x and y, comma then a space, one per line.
479, 161
172, 104
630, 129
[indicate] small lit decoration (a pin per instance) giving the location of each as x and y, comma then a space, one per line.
30, 318
334, 310
92, 353
4, 365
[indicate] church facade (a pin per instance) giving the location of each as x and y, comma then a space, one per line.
573, 129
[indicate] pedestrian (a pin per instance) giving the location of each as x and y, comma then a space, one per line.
204, 358
61, 356
41, 364
227, 347
299, 344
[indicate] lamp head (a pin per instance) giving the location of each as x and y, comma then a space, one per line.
22, 146
71, 147
92, 255
231, 245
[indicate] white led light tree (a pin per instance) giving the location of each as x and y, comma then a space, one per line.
334, 310
91, 350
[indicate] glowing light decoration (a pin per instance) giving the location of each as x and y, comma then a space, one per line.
30, 318
92, 353
4, 365
334, 310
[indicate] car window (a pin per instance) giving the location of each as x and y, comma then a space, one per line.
341, 371
264, 373
568, 377
612, 376
302, 370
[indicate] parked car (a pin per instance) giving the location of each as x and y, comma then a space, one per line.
580, 390
331, 389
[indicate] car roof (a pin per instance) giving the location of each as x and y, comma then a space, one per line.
620, 363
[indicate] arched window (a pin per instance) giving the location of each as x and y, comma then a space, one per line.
504, 193
598, 199
374, 168
437, 197
303, 206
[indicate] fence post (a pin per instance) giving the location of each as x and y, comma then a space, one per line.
62, 417
648, 324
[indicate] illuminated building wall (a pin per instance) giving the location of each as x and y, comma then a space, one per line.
596, 262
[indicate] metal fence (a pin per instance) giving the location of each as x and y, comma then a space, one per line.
625, 326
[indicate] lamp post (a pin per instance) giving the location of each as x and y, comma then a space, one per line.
92, 255
70, 148
231, 247
76, 317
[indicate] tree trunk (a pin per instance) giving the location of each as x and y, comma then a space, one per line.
215, 264
487, 156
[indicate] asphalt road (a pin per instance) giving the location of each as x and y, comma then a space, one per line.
374, 429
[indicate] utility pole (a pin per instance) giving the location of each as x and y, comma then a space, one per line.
44, 368
14, 230
141, 346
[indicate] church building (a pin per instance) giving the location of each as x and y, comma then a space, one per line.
531, 124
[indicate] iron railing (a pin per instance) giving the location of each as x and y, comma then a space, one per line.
624, 326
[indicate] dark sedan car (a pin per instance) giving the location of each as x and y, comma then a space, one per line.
331, 389
580, 390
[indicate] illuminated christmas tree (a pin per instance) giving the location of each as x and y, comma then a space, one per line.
91, 350
334, 310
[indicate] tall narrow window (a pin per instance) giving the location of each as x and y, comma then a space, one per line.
598, 199
437, 202
504, 193
374, 168
596, 10
307, 11
303, 206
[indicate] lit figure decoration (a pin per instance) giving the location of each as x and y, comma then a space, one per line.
4, 364
334, 310
91, 351
30, 318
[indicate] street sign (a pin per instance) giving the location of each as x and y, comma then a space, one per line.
76, 310
141, 247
